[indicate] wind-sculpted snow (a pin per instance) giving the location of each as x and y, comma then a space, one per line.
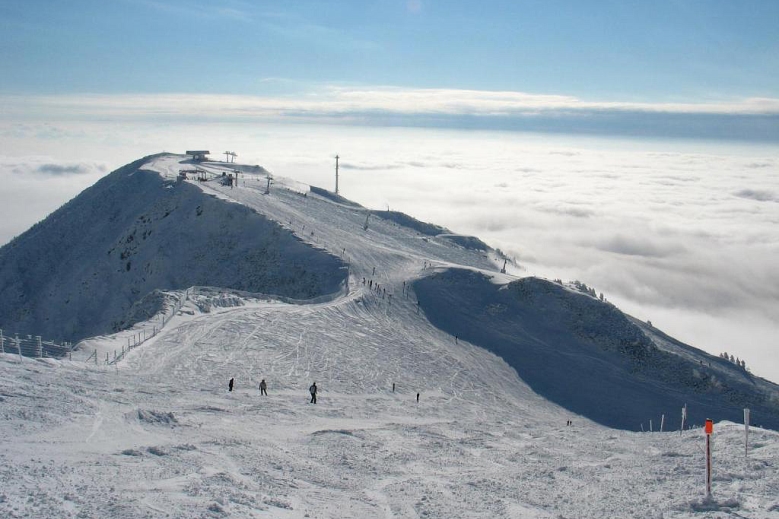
587, 356
79, 272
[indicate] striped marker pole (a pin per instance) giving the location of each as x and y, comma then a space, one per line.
709, 431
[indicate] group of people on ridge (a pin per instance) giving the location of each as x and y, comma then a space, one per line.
264, 388
312, 389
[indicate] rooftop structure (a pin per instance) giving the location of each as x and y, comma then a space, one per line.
198, 155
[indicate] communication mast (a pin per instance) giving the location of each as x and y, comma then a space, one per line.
336, 174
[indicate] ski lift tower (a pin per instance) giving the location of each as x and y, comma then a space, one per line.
336, 174
230, 156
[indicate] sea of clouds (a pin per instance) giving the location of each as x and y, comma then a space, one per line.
680, 232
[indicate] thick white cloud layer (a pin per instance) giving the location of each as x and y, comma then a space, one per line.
682, 233
34, 186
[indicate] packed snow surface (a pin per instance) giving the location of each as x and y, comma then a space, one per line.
158, 434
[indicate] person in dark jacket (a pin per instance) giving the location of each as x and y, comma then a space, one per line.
263, 387
230, 385
312, 390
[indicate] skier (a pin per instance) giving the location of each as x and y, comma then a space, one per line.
230, 385
393, 387
417, 398
312, 390
263, 387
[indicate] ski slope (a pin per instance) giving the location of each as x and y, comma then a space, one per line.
159, 435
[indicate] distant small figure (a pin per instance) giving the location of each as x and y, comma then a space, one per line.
263, 387
230, 385
417, 398
374, 271
363, 281
455, 340
393, 387
312, 390
370, 284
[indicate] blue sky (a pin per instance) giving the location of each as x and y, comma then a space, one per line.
625, 50
666, 68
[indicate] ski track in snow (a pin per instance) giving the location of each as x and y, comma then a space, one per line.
159, 435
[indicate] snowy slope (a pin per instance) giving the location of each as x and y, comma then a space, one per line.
158, 435
590, 358
78, 273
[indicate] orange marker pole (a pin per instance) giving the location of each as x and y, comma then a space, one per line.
709, 431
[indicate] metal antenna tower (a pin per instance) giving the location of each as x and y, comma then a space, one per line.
336, 174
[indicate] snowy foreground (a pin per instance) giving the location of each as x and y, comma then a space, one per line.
158, 435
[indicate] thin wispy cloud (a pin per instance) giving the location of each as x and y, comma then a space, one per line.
237, 11
70, 169
31, 167
743, 119
758, 194
343, 101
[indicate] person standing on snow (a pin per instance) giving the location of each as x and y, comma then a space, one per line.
263, 387
312, 390
230, 385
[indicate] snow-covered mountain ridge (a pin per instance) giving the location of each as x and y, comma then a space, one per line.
78, 272
101, 260
158, 434
587, 356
